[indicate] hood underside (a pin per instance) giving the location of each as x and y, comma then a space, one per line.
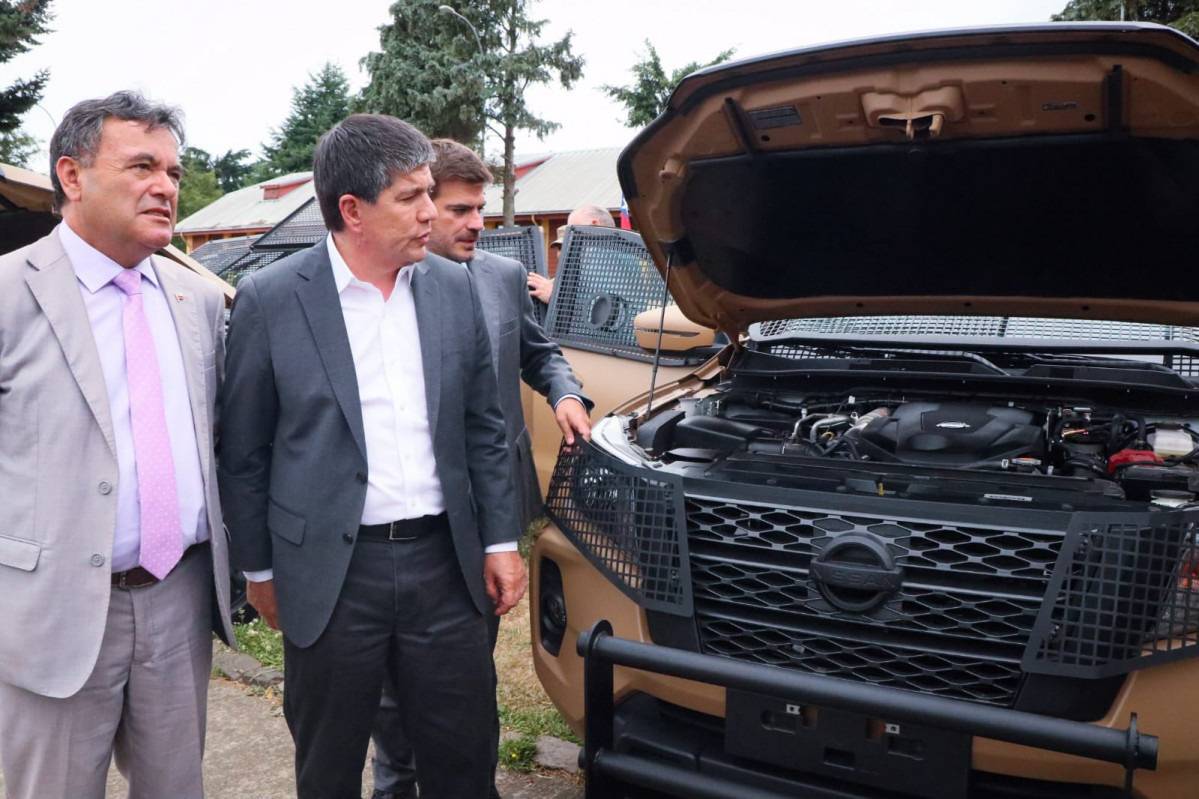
1048, 171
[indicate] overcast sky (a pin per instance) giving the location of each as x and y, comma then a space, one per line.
231, 64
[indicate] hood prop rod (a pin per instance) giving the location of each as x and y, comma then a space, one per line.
653, 378
737, 122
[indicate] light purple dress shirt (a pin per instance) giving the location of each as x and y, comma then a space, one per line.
103, 301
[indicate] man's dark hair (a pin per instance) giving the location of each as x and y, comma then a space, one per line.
456, 161
78, 135
361, 155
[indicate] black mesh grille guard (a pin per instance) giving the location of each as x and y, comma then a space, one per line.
524, 244
627, 522
1124, 595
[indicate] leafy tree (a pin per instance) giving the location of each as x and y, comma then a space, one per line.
231, 171
646, 97
429, 71
20, 25
434, 73
522, 62
199, 187
1180, 14
315, 108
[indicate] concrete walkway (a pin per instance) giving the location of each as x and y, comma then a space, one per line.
249, 755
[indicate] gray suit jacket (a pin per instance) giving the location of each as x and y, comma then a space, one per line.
293, 467
521, 350
58, 463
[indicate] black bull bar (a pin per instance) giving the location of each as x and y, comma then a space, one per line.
606, 769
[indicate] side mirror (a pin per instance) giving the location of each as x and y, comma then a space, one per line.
679, 334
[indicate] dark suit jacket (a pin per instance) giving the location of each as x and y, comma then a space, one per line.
292, 449
521, 350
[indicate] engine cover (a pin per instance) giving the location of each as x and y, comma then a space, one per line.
954, 434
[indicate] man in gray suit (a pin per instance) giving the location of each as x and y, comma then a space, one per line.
112, 554
521, 349
365, 470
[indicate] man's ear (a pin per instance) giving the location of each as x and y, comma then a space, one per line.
351, 212
69, 176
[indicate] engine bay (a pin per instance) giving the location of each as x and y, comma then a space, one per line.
1050, 450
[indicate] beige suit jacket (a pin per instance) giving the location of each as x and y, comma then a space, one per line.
58, 466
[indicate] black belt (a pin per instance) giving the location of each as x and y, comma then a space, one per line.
137, 577
405, 529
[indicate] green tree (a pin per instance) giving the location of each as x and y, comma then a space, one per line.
1180, 14
428, 72
231, 171
315, 108
199, 187
20, 25
434, 73
646, 97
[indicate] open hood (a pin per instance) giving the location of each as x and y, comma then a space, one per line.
1047, 171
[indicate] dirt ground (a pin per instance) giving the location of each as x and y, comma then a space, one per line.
250, 753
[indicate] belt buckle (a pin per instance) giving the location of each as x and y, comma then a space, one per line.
391, 534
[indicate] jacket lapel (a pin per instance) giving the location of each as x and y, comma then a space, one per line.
426, 291
56, 289
318, 297
186, 316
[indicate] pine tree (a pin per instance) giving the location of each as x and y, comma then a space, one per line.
315, 108
20, 25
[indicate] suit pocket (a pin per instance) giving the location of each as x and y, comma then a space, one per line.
284, 523
509, 327
18, 553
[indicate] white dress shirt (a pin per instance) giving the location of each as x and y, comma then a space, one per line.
104, 302
402, 481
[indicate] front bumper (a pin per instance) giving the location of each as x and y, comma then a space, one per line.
712, 773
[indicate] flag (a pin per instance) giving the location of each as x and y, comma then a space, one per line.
625, 223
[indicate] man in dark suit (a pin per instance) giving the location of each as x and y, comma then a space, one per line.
520, 349
364, 460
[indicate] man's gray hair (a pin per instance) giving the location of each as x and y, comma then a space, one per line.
588, 214
361, 155
78, 135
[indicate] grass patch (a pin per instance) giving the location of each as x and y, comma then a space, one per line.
261, 643
519, 754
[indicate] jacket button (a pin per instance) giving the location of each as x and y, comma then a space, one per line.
105, 487
361, 477
348, 538
97, 560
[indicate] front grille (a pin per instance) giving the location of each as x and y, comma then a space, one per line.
957, 627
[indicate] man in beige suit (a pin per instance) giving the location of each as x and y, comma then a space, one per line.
113, 559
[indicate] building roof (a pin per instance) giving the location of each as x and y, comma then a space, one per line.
563, 183
560, 184
246, 209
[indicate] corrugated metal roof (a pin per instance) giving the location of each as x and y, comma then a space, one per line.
245, 208
563, 183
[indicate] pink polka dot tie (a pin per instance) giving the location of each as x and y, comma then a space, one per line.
161, 530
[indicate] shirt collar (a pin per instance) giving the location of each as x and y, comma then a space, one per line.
94, 269
343, 277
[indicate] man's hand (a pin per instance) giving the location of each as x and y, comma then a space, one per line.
506, 579
573, 418
541, 287
262, 597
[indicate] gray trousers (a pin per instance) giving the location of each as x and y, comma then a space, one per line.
144, 701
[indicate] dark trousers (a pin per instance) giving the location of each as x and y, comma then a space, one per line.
394, 764
404, 613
